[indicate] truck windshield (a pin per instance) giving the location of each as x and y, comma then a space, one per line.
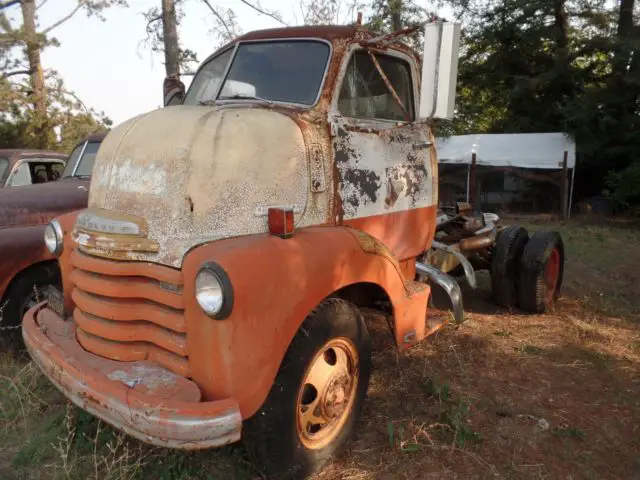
287, 71
81, 167
4, 163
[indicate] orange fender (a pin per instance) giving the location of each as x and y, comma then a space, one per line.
276, 284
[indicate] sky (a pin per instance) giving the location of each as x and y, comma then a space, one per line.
107, 64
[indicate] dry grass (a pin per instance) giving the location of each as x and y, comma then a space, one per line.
507, 395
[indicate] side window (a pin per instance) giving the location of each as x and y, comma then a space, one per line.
21, 176
56, 170
364, 93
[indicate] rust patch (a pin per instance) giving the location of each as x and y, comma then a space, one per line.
412, 176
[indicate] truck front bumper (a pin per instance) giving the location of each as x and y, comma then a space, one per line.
142, 399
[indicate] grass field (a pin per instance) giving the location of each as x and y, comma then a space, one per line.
507, 395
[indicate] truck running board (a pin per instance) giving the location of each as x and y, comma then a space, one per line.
448, 284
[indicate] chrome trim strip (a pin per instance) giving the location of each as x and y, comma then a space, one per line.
469, 272
448, 284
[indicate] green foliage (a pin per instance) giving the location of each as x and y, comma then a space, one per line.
41, 114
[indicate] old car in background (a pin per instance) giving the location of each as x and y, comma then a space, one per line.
26, 167
27, 269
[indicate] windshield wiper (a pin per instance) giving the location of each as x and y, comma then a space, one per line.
245, 97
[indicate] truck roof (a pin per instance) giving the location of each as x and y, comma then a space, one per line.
327, 32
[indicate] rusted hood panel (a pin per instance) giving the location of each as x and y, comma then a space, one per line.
37, 204
197, 174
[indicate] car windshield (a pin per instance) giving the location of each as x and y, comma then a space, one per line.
81, 167
287, 71
4, 163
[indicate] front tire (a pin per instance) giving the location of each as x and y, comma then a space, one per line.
317, 396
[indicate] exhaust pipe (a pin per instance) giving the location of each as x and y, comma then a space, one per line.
448, 284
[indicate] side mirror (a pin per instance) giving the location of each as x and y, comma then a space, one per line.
439, 70
173, 90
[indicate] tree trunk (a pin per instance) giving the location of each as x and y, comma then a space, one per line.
561, 23
32, 47
395, 7
625, 33
170, 35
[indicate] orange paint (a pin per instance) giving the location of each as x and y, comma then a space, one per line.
406, 234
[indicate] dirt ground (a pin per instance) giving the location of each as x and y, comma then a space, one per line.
507, 395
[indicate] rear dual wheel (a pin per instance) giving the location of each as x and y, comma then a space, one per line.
527, 272
317, 397
541, 271
505, 265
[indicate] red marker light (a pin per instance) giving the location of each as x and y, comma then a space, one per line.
280, 222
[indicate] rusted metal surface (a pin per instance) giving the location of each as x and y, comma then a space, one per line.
24, 213
37, 204
146, 401
203, 178
13, 156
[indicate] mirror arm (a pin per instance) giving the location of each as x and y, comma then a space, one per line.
388, 83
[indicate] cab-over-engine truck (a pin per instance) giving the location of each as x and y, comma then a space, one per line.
213, 288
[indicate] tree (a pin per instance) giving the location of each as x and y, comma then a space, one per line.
163, 30
329, 12
32, 107
555, 65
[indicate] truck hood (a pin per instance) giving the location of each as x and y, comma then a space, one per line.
196, 174
38, 204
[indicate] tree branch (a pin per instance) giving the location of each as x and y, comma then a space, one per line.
224, 24
263, 12
41, 4
152, 20
8, 3
17, 72
81, 3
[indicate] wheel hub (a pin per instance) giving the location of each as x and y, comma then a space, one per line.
336, 395
327, 393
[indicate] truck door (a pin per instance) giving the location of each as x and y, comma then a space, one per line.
387, 175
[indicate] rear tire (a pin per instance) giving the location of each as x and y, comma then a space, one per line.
323, 378
505, 265
541, 271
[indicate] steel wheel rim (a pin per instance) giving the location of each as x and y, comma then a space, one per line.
551, 274
327, 393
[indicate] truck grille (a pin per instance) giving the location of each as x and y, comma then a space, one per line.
130, 311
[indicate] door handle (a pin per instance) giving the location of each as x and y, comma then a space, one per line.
422, 145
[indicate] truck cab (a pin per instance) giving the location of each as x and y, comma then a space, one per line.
214, 286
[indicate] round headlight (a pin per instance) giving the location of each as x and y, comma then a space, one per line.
53, 238
213, 291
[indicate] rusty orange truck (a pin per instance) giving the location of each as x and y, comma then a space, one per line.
213, 288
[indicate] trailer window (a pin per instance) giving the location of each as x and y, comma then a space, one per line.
364, 93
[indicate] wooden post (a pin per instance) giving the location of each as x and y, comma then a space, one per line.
563, 188
472, 182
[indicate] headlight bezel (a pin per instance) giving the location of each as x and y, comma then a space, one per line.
226, 289
55, 227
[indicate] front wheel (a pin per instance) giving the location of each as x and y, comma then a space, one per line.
317, 396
